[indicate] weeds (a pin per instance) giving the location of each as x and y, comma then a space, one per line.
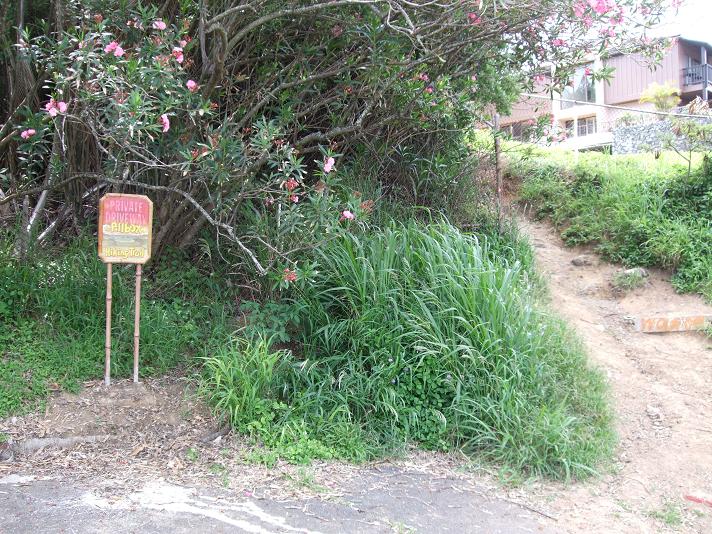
52, 315
670, 513
637, 210
628, 280
419, 334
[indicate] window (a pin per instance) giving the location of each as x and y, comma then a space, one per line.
569, 128
586, 126
520, 131
580, 88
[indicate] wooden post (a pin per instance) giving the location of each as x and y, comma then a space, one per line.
107, 344
137, 321
498, 164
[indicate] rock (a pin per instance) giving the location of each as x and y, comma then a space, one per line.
637, 271
582, 260
6, 453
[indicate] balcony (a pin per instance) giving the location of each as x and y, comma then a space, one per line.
697, 75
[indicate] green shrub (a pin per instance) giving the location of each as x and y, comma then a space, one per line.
422, 334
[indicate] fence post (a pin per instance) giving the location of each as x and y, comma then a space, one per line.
498, 164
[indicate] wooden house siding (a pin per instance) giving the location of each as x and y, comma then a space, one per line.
632, 75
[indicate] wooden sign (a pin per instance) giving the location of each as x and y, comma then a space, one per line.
679, 323
125, 223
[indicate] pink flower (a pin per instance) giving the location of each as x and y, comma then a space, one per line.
28, 133
192, 86
587, 71
54, 108
291, 184
329, 165
113, 45
51, 107
159, 25
587, 21
579, 9
617, 19
539, 79
183, 43
608, 32
601, 6
346, 215
289, 275
429, 89
294, 198
558, 42
165, 122
119, 51
178, 54
474, 18
473, 78
676, 3
424, 77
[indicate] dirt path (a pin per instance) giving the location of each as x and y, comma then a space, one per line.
662, 391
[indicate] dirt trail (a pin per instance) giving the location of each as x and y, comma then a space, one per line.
662, 391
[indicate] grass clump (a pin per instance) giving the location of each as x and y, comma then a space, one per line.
52, 320
629, 279
637, 210
421, 334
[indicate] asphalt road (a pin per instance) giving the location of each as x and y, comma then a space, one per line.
386, 501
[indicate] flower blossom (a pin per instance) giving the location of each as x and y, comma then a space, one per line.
602, 6
329, 165
289, 275
26, 134
159, 25
579, 9
347, 215
54, 108
165, 122
291, 184
294, 198
115, 48
558, 42
192, 86
178, 54
474, 18
424, 77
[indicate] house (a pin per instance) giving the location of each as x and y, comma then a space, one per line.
586, 112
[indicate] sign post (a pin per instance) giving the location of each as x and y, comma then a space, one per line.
125, 223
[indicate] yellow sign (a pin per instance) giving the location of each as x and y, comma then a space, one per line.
125, 223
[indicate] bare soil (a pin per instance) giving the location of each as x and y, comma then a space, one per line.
661, 386
129, 436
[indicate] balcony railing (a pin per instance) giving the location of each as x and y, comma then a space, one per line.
696, 75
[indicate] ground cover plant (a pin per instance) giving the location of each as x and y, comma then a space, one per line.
52, 320
420, 334
636, 210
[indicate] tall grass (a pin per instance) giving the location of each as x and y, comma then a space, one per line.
636, 210
52, 320
424, 334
